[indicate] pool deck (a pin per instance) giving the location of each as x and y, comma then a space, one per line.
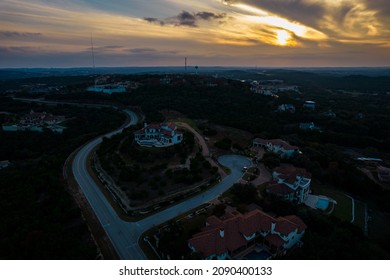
312, 201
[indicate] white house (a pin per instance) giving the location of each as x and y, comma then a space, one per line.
109, 88
290, 183
235, 233
286, 108
158, 135
277, 146
311, 105
307, 126
4, 164
35, 121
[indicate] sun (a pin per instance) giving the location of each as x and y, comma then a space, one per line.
282, 37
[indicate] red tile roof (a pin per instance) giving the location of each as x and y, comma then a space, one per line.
282, 143
279, 189
167, 134
210, 241
275, 240
297, 221
290, 173
260, 141
214, 221
170, 125
284, 226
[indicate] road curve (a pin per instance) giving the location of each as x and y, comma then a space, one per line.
125, 235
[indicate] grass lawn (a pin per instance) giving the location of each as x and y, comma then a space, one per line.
190, 122
343, 208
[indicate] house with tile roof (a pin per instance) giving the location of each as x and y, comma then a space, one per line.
277, 146
158, 135
290, 183
236, 233
35, 121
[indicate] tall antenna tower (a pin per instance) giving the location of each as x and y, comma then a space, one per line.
93, 54
93, 58
185, 64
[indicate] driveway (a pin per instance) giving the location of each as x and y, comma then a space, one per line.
125, 235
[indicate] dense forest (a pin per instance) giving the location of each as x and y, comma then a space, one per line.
361, 115
361, 121
39, 218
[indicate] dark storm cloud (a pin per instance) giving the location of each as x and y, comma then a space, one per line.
154, 20
14, 34
151, 51
186, 18
209, 16
381, 6
142, 50
299, 10
37, 57
337, 19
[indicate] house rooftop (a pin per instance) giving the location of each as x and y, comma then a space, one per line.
292, 172
280, 189
227, 235
282, 143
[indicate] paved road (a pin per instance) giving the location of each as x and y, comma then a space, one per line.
201, 141
205, 148
124, 235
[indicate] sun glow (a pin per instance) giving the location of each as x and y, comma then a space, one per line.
282, 36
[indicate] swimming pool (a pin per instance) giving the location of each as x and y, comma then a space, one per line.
322, 203
263, 255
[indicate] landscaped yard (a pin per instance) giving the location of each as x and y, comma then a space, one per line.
343, 208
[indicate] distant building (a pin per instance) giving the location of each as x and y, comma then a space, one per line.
109, 88
311, 105
359, 116
34, 118
277, 146
308, 126
35, 121
4, 164
158, 135
290, 183
237, 234
286, 108
329, 114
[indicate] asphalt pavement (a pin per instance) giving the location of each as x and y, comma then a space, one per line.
124, 235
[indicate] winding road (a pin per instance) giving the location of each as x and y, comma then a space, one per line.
125, 235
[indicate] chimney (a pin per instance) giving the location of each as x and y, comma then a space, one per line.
222, 232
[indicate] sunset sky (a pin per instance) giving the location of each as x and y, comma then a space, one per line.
263, 33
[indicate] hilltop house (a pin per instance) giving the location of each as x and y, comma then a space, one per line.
158, 135
237, 234
290, 183
277, 146
34, 118
311, 105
